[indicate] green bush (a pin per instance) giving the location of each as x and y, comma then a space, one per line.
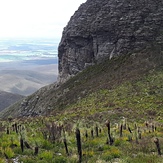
8, 151
46, 155
2, 160
144, 159
27, 160
111, 154
60, 159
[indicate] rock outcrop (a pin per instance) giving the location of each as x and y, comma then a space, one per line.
106, 28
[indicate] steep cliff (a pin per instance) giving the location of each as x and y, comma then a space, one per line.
101, 29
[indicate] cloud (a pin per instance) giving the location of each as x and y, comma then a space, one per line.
35, 18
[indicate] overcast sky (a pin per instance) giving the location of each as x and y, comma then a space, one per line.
35, 18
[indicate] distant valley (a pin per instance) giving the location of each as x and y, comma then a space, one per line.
27, 64
26, 82
6, 99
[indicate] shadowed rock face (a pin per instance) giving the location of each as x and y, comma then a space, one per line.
108, 28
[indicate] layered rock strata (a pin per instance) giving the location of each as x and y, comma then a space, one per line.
106, 28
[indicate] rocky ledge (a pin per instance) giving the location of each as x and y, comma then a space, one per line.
106, 28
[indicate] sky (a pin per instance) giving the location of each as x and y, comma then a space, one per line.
35, 18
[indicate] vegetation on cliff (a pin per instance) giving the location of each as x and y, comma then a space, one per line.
116, 107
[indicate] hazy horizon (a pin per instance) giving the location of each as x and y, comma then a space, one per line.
35, 19
27, 49
30, 32
27, 64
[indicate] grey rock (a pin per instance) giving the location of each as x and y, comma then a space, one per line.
102, 29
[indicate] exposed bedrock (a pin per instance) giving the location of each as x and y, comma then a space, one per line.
106, 28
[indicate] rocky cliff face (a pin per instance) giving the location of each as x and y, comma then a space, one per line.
108, 28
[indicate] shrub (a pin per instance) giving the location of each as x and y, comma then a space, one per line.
46, 155
60, 159
47, 145
111, 154
27, 160
8, 151
2, 160
144, 159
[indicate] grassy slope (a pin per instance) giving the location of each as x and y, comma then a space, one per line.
132, 83
123, 90
138, 100
136, 75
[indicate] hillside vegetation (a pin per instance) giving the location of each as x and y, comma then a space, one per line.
110, 112
104, 76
